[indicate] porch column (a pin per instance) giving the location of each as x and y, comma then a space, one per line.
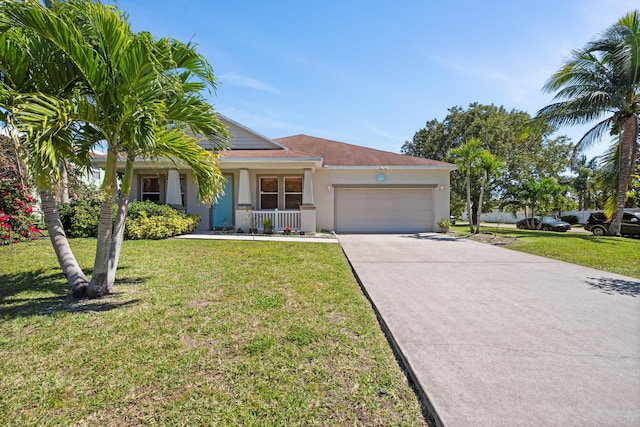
243, 217
308, 218
307, 208
307, 190
174, 196
244, 189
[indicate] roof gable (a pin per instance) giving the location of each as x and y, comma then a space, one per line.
243, 138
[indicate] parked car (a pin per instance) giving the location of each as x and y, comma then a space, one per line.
597, 223
549, 223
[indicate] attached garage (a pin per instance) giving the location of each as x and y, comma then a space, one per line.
383, 209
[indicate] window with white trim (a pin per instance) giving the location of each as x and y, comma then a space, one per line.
153, 188
280, 192
292, 192
269, 192
150, 189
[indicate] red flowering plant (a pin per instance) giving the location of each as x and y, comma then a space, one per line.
17, 220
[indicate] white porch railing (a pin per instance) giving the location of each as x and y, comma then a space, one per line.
280, 219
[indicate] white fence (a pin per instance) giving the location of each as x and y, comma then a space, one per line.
508, 218
279, 219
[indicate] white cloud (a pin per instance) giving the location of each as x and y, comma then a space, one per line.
377, 131
243, 81
519, 84
261, 123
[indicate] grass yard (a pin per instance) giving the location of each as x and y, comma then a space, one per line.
613, 254
198, 333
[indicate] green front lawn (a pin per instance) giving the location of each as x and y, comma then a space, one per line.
613, 254
198, 333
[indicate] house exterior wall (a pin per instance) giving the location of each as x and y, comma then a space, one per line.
325, 178
323, 191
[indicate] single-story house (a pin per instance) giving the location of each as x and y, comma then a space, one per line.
308, 184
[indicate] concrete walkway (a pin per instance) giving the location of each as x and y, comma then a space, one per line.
214, 235
495, 337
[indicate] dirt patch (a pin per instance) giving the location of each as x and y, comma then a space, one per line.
491, 238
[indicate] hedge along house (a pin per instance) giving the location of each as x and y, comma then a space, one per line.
306, 183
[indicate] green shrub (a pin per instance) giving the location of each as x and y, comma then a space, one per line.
148, 220
17, 220
444, 224
150, 209
145, 220
80, 217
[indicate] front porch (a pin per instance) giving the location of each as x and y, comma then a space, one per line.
302, 220
276, 194
279, 219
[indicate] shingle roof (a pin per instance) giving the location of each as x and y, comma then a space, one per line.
266, 154
336, 153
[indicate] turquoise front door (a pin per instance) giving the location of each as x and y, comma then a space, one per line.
222, 210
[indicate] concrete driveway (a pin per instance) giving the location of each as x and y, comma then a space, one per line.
494, 337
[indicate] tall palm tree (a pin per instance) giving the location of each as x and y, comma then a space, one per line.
602, 82
467, 157
489, 167
140, 96
31, 65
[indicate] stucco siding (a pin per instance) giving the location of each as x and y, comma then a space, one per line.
325, 179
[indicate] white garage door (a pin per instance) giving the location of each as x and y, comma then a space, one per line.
376, 210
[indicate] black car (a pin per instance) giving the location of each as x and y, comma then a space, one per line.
549, 223
630, 226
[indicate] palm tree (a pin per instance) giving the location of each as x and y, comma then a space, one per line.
602, 82
583, 181
140, 96
489, 167
466, 157
31, 65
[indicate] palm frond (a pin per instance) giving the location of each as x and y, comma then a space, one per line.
203, 163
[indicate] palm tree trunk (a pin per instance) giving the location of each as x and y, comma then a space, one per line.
628, 146
469, 213
482, 183
64, 182
99, 285
118, 227
77, 280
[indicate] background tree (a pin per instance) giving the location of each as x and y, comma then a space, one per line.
583, 183
535, 198
526, 147
607, 177
602, 82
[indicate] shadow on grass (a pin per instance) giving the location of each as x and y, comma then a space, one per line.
45, 291
612, 286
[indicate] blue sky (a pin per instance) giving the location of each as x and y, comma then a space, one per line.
373, 72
